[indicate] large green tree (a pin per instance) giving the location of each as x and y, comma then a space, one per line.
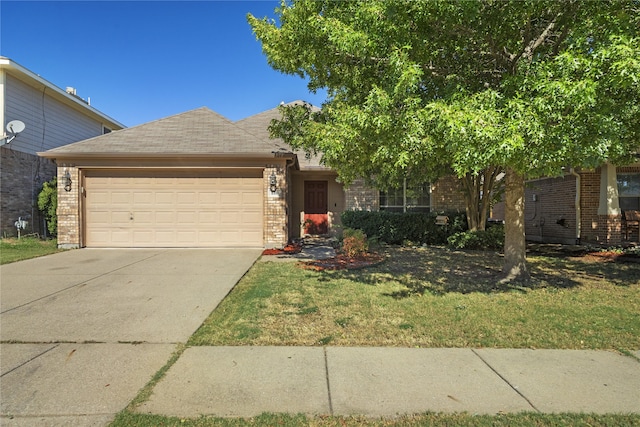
421, 88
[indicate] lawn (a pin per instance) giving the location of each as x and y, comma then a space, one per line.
460, 420
434, 297
12, 250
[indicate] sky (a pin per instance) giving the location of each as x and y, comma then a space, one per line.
139, 61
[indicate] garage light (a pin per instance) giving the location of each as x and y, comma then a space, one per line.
273, 183
67, 181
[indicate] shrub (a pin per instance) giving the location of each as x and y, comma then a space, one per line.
395, 228
48, 203
354, 242
492, 238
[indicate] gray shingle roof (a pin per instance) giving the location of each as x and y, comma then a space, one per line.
259, 125
199, 131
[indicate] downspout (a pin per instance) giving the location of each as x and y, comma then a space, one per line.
578, 208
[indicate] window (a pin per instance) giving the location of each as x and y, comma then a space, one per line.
629, 192
105, 130
406, 199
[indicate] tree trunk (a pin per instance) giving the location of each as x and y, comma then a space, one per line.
515, 247
471, 198
478, 190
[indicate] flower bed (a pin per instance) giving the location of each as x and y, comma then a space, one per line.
290, 249
343, 262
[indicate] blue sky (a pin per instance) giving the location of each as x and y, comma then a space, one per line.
139, 61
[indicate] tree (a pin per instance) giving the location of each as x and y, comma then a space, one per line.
419, 88
48, 203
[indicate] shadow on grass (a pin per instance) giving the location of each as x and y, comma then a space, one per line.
439, 271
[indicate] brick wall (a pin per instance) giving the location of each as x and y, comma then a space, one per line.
68, 209
600, 229
552, 217
550, 213
360, 197
21, 179
446, 195
275, 211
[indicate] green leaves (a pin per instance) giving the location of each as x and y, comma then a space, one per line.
423, 87
48, 204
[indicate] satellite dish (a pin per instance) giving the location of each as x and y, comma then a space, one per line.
15, 126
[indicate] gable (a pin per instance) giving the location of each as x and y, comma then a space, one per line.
258, 125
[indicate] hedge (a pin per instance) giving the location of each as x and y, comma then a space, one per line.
397, 228
491, 239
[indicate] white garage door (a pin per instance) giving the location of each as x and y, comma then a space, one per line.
190, 209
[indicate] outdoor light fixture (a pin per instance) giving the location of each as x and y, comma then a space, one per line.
273, 184
67, 181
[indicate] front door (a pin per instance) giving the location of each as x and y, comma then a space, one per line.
316, 220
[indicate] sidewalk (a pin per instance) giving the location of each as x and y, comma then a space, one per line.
386, 382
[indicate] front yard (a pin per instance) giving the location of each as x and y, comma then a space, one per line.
426, 297
434, 297
12, 250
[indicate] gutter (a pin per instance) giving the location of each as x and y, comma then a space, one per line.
578, 208
167, 155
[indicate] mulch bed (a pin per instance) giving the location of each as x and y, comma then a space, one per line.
290, 249
343, 262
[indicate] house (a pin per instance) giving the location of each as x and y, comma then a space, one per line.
584, 206
197, 179
53, 117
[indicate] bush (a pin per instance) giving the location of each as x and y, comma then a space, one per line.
396, 228
492, 238
48, 203
354, 242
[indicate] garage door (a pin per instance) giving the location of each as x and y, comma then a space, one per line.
188, 209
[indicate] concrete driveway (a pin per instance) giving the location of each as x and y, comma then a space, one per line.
83, 331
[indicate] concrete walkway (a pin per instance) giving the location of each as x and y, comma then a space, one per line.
386, 382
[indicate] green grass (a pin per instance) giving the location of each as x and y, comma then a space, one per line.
462, 420
433, 297
12, 250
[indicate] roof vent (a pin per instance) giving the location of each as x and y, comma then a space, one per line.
71, 90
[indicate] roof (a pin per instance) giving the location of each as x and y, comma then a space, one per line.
75, 102
259, 125
196, 132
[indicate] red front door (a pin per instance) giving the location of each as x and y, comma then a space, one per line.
316, 220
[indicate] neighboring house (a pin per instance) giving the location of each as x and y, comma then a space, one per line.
53, 117
583, 206
198, 179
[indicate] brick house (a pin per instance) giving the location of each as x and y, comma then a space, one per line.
582, 206
53, 117
197, 179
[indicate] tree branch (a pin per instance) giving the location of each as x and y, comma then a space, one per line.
530, 45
